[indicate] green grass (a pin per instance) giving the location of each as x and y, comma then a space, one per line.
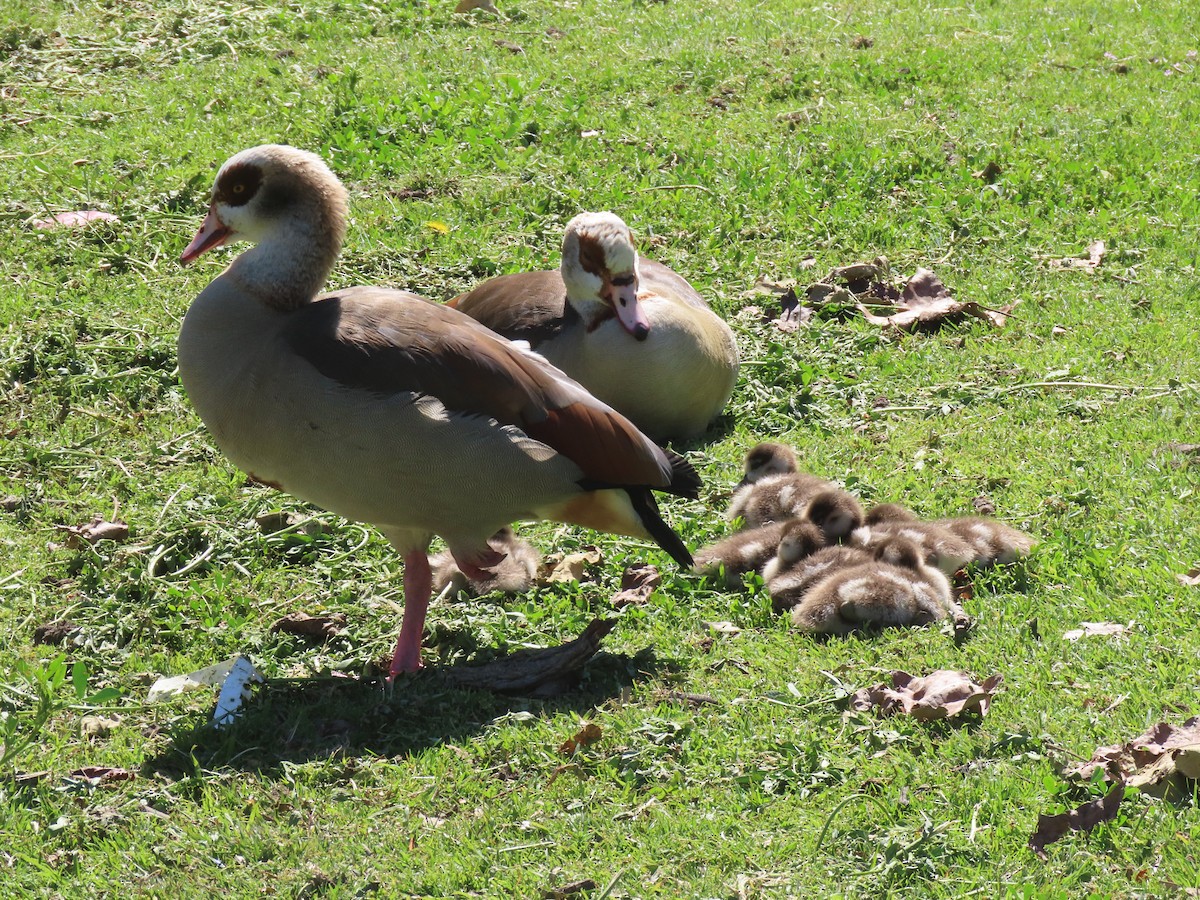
737, 139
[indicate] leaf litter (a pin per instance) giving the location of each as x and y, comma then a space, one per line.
923, 301
1163, 761
638, 582
942, 694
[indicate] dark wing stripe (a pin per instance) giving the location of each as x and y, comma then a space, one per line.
647, 510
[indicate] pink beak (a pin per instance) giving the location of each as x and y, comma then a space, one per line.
629, 312
212, 233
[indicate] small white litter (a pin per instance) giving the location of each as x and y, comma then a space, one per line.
235, 675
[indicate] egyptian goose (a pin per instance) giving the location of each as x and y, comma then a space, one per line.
994, 543
750, 550
896, 588
514, 575
942, 546
773, 491
799, 564
386, 408
630, 330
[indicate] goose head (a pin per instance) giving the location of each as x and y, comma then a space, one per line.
900, 552
291, 205
798, 540
768, 459
600, 270
888, 512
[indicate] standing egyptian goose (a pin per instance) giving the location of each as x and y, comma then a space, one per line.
630, 330
774, 491
386, 408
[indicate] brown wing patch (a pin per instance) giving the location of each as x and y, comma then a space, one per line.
605, 445
393, 342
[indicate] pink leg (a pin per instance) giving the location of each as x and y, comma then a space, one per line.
418, 586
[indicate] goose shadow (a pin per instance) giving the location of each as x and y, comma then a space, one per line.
290, 721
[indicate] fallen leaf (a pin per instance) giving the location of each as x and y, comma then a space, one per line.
96, 530
439, 227
939, 695
102, 774
1191, 579
588, 734
861, 42
54, 633
563, 569
1088, 629
1162, 761
989, 173
1095, 254
724, 628
791, 314
97, 726
466, 6
638, 582
509, 46
321, 628
75, 219
1085, 818
926, 301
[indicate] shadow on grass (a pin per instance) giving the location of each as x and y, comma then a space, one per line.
290, 721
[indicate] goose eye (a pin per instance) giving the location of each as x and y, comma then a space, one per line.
239, 188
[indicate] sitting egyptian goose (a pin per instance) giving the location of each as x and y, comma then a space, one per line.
896, 588
942, 546
994, 542
515, 574
630, 330
386, 408
773, 491
799, 564
750, 550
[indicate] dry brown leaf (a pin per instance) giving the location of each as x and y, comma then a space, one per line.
321, 628
102, 774
637, 584
563, 569
466, 6
1191, 579
791, 314
989, 173
98, 529
1156, 761
1095, 255
926, 301
939, 695
588, 734
1085, 818
54, 633
509, 46
75, 219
